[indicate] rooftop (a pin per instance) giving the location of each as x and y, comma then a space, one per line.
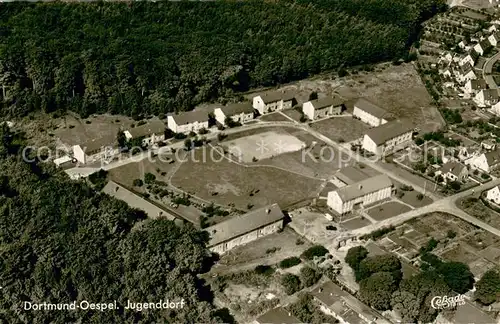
493, 157
189, 117
387, 131
237, 108
273, 96
370, 108
470, 314
242, 224
154, 126
278, 315
327, 102
97, 143
453, 167
350, 175
364, 187
134, 201
490, 94
479, 84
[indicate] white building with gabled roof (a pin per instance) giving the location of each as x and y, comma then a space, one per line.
189, 121
370, 113
323, 107
273, 101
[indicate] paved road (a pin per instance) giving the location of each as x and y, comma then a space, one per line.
488, 68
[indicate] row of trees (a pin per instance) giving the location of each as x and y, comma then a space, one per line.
381, 283
63, 241
151, 58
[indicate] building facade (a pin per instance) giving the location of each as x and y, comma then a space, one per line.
387, 138
186, 122
369, 113
239, 113
273, 101
151, 133
324, 107
486, 98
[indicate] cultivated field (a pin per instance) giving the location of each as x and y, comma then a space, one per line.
226, 182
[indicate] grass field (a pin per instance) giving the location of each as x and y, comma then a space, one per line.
276, 116
341, 129
387, 210
226, 182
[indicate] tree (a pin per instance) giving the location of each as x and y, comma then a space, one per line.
291, 283
377, 290
149, 178
379, 263
309, 276
188, 144
137, 183
488, 287
457, 276
355, 255
406, 304
289, 262
121, 139
314, 251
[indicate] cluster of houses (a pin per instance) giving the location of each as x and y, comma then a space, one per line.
465, 71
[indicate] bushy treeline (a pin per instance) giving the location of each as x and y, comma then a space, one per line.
61, 242
149, 58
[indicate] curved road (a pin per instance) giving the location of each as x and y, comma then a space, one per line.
488, 69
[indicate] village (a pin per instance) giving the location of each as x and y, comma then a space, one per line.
287, 180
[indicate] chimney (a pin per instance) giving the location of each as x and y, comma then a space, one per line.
268, 211
360, 187
320, 289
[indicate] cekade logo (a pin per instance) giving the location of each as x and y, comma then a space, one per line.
442, 302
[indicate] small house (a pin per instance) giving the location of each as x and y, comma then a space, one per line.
323, 107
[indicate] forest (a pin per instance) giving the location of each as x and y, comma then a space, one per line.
145, 58
62, 241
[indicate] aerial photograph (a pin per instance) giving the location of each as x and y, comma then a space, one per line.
250, 161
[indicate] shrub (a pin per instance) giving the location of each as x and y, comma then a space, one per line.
137, 183
420, 196
314, 251
264, 270
149, 178
291, 283
289, 262
309, 276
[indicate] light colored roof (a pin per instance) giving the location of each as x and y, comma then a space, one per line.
370, 108
381, 134
278, 316
273, 96
242, 224
237, 108
189, 117
364, 187
97, 143
62, 159
327, 102
350, 175
453, 167
154, 126
134, 201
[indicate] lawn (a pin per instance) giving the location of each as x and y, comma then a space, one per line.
387, 210
226, 182
276, 116
341, 129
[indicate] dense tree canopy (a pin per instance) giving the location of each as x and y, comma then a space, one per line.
377, 290
149, 58
62, 241
488, 287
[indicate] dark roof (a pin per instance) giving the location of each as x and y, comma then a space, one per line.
278, 316
466, 68
350, 175
496, 36
490, 94
327, 102
97, 143
277, 95
370, 108
190, 117
155, 126
485, 44
479, 84
364, 187
470, 314
493, 157
237, 108
453, 167
387, 131
242, 224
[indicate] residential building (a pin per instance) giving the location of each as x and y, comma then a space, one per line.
135, 201
486, 97
454, 171
494, 39
474, 86
63, 161
470, 59
388, 137
465, 73
277, 316
186, 122
246, 228
482, 47
348, 176
238, 112
485, 162
464, 44
273, 101
151, 133
446, 73
347, 309
489, 144
494, 195
357, 195
323, 107
370, 113
494, 27
101, 148
495, 109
